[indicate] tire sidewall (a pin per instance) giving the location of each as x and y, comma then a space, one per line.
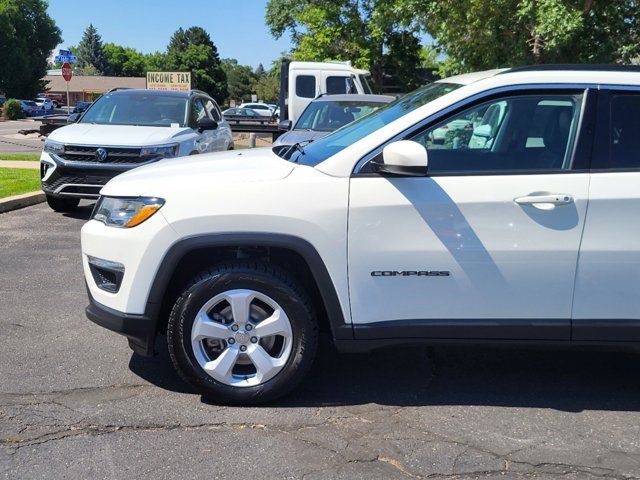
244, 278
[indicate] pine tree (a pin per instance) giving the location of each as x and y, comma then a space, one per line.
91, 52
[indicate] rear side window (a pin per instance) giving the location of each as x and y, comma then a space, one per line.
212, 110
624, 132
306, 86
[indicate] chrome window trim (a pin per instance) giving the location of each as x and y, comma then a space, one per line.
441, 114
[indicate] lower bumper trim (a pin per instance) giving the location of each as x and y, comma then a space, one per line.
139, 329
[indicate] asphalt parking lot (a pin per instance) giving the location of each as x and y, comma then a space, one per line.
76, 403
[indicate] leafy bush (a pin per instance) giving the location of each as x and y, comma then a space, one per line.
12, 109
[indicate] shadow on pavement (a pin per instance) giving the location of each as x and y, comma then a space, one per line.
83, 212
559, 378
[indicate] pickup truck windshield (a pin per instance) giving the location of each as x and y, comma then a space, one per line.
138, 108
318, 151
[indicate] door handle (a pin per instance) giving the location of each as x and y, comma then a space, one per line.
545, 202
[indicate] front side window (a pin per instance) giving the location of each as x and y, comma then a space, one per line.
212, 111
306, 86
524, 132
338, 85
137, 108
198, 112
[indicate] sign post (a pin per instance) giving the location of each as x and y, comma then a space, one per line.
67, 73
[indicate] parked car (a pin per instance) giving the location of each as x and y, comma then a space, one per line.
44, 104
3, 100
125, 129
326, 114
81, 107
275, 108
375, 237
58, 99
260, 108
28, 107
241, 114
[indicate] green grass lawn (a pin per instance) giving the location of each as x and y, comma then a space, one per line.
20, 156
14, 181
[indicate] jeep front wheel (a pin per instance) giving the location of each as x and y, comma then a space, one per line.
243, 333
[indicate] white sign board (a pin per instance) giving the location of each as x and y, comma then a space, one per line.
169, 81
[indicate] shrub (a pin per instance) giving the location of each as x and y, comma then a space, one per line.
12, 109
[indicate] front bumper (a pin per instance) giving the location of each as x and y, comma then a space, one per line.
140, 330
75, 179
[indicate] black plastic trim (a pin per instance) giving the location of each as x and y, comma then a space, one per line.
340, 329
139, 329
606, 330
485, 329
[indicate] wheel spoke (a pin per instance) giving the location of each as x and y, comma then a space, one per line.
266, 365
204, 327
240, 301
276, 324
221, 367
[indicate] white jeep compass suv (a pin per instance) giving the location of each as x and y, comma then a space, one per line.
125, 129
520, 223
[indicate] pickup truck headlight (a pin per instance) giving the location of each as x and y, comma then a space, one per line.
161, 151
125, 212
56, 148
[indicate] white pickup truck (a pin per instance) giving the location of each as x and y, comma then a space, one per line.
520, 223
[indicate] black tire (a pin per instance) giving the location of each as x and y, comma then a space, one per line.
62, 205
266, 279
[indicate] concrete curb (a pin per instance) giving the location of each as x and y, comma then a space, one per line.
20, 201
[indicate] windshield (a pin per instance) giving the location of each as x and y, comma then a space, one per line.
138, 108
318, 151
327, 116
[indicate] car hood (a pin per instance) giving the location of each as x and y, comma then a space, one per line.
192, 173
117, 135
297, 136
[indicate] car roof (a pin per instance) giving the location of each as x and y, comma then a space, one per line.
355, 97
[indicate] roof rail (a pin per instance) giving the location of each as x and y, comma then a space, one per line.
192, 91
574, 67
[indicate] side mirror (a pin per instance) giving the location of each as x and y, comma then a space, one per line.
404, 157
484, 131
73, 118
285, 125
207, 123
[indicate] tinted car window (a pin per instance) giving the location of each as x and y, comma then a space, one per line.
212, 110
527, 132
337, 85
198, 111
624, 132
306, 86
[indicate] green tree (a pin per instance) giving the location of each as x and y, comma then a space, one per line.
155, 62
369, 33
27, 37
125, 61
476, 34
240, 79
267, 88
260, 71
90, 53
192, 50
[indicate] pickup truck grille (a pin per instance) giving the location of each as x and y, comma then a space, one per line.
87, 154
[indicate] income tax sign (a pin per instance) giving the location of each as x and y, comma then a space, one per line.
169, 81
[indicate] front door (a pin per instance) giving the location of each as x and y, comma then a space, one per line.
486, 245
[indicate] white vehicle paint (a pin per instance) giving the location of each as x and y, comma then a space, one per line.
260, 108
304, 81
523, 231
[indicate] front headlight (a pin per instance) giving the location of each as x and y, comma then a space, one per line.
162, 151
56, 148
125, 212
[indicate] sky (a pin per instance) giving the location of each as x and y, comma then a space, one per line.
236, 26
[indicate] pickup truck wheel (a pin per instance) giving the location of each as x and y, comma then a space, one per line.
243, 333
62, 204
